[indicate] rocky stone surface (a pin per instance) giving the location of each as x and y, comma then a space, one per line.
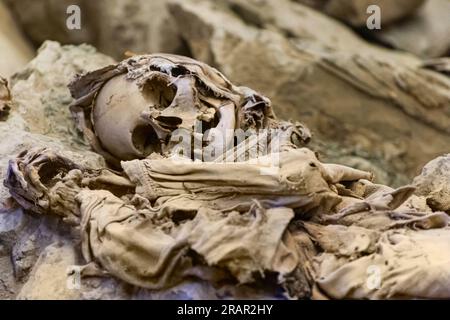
43, 20
426, 34
354, 12
40, 92
383, 122
38, 117
49, 278
138, 26
434, 183
420, 27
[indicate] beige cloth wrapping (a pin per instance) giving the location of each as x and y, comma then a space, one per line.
300, 181
377, 248
410, 264
243, 243
219, 221
136, 246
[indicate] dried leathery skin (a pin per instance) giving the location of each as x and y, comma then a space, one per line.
46, 182
35, 174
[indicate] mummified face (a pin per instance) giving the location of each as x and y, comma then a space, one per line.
130, 110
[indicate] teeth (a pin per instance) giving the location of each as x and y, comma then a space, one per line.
136, 106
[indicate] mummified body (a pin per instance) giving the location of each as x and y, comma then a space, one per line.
162, 217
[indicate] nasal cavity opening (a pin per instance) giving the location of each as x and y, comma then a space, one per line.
145, 140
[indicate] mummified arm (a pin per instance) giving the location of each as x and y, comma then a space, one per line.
45, 182
38, 175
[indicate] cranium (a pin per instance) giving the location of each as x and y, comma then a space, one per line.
129, 110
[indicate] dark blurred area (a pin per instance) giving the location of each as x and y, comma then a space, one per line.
116, 26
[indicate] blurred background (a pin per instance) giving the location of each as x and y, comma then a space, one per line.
377, 100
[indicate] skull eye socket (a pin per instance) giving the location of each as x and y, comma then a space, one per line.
145, 140
159, 92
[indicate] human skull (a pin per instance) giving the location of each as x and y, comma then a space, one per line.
130, 110
120, 105
5, 98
